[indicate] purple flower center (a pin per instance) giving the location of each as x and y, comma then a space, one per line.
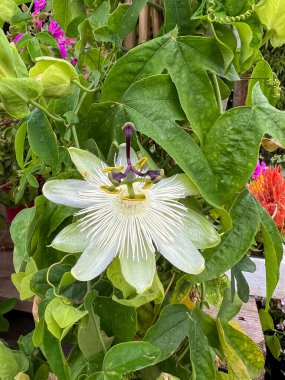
129, 130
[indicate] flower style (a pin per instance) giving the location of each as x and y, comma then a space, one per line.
269, 189
259, 169
129, 214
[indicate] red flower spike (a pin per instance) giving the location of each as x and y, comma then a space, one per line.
269, 190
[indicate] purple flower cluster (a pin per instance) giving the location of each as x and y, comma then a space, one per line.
39, 6
259, 169
59, 35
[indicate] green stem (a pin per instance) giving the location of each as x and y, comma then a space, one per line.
85, 89
156, 6
49, 114
79, 104
74, 134
31, 6
217, 93
203, 294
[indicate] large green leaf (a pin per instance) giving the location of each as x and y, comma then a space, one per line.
273, 251
52, 350
152, 105
178, 13
66, 10
130, 356
235, 243
203, 367
117, 320
187, 60
169, 331
232, 144
41, 138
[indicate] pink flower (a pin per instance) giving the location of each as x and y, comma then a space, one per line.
16, 39
56, 30
74, 61
38, 6
259, 169
62, 45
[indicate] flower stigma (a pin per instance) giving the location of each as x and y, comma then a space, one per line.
120, 175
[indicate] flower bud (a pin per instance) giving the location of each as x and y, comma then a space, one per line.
55, 75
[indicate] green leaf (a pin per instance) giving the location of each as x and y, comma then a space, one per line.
100, 16
91, 339
155, 293
53, 352
116, 319
266, 320
169, 331
229, 308
93, 58
34, 48
22, 280
273, 343
271, 14
9, 366
273, 251
202, 360
19, 234
245, 265
41, 138
66, 10
121, 22
152, 105
8, 8
182, 58
7, 305
60, 214
232, 144
11, 64
20, 140
178, 13
15, 94
215, 290
65, 315
232, 248
264, 75
237, 370
128, 357
246, 349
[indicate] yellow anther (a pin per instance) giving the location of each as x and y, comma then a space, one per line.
137, 198
110, 189
113, 169
141, 163
147, 185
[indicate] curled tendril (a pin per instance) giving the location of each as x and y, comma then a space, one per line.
214, 6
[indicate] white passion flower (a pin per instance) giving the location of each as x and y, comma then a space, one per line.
131, 215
